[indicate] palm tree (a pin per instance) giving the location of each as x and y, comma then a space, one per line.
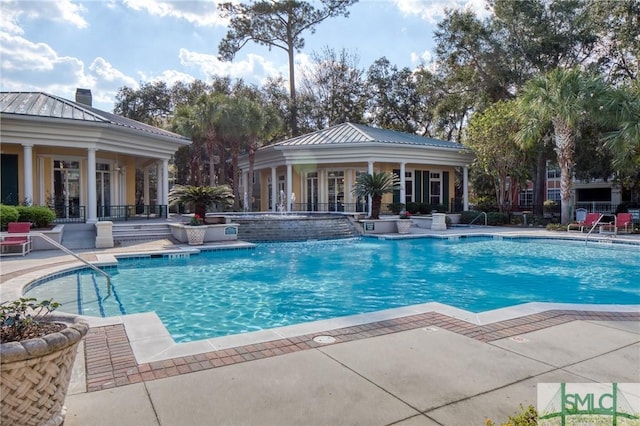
564, 99
374, 186
201, 197
624, 143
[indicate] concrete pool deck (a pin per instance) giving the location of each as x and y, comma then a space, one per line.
427, 366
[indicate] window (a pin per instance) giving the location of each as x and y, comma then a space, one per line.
553, 173
554, 194
525, 198
435, 188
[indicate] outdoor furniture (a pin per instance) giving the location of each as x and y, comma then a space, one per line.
583, 220
21, 242
623, 221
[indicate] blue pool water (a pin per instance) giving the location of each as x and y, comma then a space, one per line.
228, 292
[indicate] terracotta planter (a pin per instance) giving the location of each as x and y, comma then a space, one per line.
36, 374
195, 234
403, 226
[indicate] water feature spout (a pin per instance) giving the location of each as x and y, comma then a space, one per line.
282, 203
245, 204
292, 200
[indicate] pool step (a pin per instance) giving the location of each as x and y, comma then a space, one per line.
140, 231
296, 229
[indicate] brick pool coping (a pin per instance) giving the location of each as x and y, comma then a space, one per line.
110, 361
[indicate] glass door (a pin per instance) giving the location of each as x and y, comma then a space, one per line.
66, 188
312, 191
335, 185
103, 190
435, 188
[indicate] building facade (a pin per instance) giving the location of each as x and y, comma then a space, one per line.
317, 171
81, 161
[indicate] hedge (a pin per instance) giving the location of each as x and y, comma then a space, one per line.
39, 216
7, 214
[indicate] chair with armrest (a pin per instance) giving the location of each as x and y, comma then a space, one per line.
21, 242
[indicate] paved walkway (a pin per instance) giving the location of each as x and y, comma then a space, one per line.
421, 369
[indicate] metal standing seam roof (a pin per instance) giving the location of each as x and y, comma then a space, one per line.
39, 104
351, 133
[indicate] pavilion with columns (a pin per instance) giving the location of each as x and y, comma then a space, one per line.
316, 171
80, 160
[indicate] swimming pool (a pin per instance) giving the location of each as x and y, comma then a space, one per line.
236, 291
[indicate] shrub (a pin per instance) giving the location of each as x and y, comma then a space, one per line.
424, 208
412, 208
39, 216
22, 319
469, 215
395, 208
526, 417
556, 227
7, 214
440, 208
496, 218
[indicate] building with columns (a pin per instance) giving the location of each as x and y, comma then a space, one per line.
80, 160
316, 172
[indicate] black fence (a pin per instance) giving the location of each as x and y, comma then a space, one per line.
77, 214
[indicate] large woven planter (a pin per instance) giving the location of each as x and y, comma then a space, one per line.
195, 234
36, 374
403, 226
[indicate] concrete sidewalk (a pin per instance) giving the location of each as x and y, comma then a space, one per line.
425, 376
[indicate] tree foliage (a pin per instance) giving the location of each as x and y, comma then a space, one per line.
279, 24
375, 186
491, 135
566, 100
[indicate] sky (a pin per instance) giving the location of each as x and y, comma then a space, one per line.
56, 46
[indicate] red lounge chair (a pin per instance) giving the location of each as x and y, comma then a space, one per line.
22, 242
624, 221
589, 221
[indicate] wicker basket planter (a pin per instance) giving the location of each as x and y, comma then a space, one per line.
195, 234
35, 374
403, 226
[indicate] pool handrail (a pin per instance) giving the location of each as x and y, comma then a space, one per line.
67, 251
475, 218
592, 228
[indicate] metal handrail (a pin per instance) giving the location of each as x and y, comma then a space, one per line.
485, 218
592, 228
64, 249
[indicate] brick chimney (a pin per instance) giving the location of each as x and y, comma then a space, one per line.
83, 96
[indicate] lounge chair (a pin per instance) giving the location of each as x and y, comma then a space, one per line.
21, 242
581, 217
623, 223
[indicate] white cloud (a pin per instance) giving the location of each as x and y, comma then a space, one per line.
424, 57
13, 11
201, 12
433, 10
106, 72
168, 76
254, 66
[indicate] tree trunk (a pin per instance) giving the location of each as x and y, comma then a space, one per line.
249, 189
376, 202
564, 143
292, 90
540, 174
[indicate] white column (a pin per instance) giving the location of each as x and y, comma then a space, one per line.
274, 190
159, 190
27, 162
465, 188
165, 184
92, 208
348, 199
289, 186
403, 190
145, 190
370, 171
246, 203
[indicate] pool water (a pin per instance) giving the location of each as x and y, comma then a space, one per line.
236, 291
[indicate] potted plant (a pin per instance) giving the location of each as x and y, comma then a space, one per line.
201, 197
375, 185
196, 230
37, 352
404, 222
